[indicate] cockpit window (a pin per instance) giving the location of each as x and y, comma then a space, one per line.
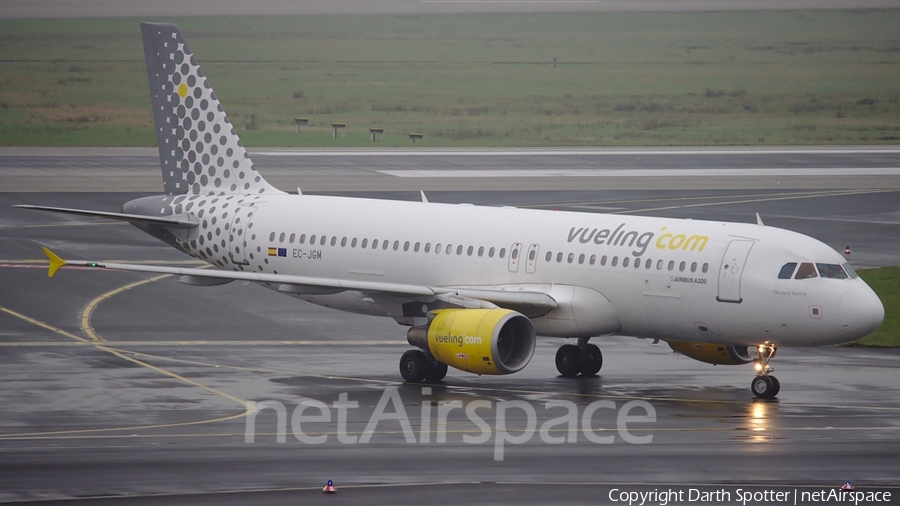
786, 270
806, 271
849, 270
832, 271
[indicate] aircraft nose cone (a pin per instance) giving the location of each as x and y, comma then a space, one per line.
861, 312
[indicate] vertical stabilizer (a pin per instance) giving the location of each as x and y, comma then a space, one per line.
199, 151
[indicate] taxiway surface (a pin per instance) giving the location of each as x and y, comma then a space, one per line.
126, 387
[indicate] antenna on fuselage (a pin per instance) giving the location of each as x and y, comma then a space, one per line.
759, 220
424, 199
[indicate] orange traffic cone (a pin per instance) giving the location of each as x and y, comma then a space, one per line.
329, 489
847, 250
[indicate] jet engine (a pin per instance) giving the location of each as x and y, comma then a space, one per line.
479, 341
711, 353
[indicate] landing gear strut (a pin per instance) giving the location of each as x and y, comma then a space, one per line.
585, 359
416, 367
764, 385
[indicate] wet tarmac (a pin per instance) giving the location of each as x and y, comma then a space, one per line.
121, 387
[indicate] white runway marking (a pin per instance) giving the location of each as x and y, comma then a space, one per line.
578, 151
742, 172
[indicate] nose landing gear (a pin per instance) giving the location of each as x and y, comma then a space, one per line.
764, 385
585, 359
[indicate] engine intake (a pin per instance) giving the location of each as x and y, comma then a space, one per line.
480, 341
711, 353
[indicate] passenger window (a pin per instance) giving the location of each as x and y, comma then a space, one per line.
353, 243
449, 248
705, 268
334, 240
625, 262
471, 249
437, 248
365, 242
481, 251
787, 270
322, 240
396, 245
681, 266
502, 252
571, 257
850, 271
427, 247
694, 267
291, 239
272, 237
515, 254
491, 253
603, 260
648, 264
549, 256
281, 237
302, 239
832, 271
559, 256
343, 242
671, 265
531, 255
581, 258
615, 261
384, 245
637, 263
459, 249
374, 243
806, 271
593, 259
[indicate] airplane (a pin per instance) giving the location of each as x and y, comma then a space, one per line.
476, 285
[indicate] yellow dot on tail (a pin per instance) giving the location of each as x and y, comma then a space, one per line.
182, 90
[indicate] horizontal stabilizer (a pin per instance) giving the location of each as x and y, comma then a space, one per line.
182, 221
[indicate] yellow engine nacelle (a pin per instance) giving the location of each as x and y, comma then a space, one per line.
711, 353
480, 341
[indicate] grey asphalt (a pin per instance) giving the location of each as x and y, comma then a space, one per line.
168, 8
137, 169
107, 422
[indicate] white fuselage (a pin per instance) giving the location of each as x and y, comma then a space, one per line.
665, 278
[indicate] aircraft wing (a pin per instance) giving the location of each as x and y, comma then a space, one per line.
297, 284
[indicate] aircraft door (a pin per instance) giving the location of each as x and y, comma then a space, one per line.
731, 270
514, 252
532, 258
237, 236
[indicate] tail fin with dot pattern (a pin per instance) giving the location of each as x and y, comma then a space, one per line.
199, 150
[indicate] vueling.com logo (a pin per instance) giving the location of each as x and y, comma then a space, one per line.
635, 239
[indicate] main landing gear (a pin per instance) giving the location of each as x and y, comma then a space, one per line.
764, 385
417, 367
584, 359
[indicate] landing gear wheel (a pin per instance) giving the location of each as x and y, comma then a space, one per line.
776, 384
414, 366
765, 387
568, 361
436, 372
591, 360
